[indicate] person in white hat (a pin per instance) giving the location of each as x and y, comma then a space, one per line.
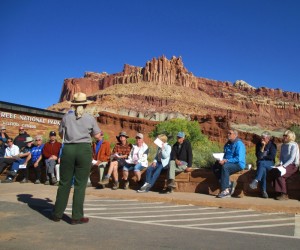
137, 160
35, 160
76, 129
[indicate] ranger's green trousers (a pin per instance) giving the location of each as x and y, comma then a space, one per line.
75, 161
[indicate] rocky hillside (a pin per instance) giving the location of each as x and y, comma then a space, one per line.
164, 89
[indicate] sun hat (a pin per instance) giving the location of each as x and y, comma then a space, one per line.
28, 139
122, 134
80, 99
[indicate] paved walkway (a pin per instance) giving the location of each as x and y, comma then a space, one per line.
40, 193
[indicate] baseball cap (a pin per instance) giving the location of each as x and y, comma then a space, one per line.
139, 135
52, 133
180, 134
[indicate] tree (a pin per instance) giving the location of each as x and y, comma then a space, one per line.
201, 145
172, 127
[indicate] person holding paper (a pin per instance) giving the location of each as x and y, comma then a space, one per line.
119, 155
234, 160
160, 161
10, 154
289, 158
21, 160
181, 159
265, 153
137, 160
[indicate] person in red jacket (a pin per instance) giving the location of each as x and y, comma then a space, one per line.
101, 154
50, 154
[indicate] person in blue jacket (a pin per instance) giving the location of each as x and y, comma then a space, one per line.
234, 160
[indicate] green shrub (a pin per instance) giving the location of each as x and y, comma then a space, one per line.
202, 153
296, 130
251, 157
202, 147
172, 127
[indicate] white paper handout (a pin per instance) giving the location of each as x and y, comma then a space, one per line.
22, 166
281, 169
158, 142
218, 156
94, 162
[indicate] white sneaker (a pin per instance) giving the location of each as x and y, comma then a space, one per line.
145, 186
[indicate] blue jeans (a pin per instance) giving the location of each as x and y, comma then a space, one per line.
153, 173
261, 175
17, 163
223, 173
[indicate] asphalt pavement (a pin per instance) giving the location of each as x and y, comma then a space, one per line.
42, 193
125, 219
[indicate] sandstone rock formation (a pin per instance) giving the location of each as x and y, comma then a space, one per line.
164, 89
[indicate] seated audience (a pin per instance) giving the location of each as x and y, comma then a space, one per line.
289, 162
50, 153
234, 160
161, 160
265, 154
137, 160
181, 160
20, 159
101, 155
120, 153
34, 160
3, 135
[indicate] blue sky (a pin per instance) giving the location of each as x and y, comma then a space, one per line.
45, 41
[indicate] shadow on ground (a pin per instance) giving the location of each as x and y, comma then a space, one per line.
42, 206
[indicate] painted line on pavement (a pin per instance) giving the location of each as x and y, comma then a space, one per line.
297, 225
177, 215
124, 208
122, 204
211, 218
238, 222
199, 228
155, 211
258, 226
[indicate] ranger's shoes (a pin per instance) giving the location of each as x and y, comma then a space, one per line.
80, 221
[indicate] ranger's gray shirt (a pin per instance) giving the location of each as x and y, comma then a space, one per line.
78, 130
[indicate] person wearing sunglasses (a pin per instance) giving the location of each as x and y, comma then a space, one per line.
21, 159
289, 164
3, 135
34, 161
